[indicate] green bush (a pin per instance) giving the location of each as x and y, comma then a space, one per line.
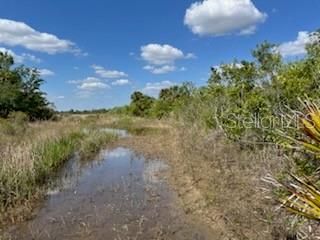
20, 91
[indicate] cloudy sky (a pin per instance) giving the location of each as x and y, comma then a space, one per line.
94, 54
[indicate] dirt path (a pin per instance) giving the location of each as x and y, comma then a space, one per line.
119, 195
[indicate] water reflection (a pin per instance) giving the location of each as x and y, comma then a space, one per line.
118, 195
118, 132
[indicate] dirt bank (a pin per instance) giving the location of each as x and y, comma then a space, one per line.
218, 183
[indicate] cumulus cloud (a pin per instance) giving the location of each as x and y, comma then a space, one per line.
153, 89
46, 72
296, 47
220, 17
120, 82
31, 57
21, 58
161, 58
190, 56
13, 33
157, 54
160, 70
90, 84
105, 73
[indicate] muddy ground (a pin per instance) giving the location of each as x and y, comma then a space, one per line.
189, 196
129, 191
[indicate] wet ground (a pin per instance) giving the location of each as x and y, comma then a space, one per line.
119, 195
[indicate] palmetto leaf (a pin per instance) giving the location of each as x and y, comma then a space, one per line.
304, 199
309, 139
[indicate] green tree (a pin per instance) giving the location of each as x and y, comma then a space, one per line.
20, 90
141, 104
171, 99
10, 85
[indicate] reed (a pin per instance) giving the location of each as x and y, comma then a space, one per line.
30, 158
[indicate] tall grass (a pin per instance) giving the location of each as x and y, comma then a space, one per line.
28, 159
138, 126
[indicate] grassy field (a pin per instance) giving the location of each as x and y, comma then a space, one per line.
217, 180
32, 152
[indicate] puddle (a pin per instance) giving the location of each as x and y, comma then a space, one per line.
119, 132
118, 195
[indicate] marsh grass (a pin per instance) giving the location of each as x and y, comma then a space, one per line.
218, 181
138, 126
93, 142
30, 158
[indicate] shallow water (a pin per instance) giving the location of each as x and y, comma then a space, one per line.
118, 195
119, 132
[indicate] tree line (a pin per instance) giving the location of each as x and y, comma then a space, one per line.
268, 99
264, 87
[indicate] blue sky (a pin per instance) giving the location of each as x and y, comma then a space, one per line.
94, 54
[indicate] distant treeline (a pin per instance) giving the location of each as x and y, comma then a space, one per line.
93, 111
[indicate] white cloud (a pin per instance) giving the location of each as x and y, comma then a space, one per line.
46, 72
13, 33
157, 54
60, 97
86, 80
104, 73
120, 82
190, 56
220, 17
296, 47
21, 58
91, 86
153, 89
160, 70
30, 57
161, 58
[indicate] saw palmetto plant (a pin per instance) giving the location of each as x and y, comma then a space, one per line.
304, 198
307, 138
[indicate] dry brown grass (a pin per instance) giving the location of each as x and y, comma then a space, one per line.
18, 157
16, 149
30, 157
229, 179
218, 182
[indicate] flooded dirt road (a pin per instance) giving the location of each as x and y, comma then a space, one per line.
119, 195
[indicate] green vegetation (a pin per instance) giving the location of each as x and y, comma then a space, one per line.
226, 133
240, 93
250, 100
29, 159
20, 91
141, 104
304, 196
